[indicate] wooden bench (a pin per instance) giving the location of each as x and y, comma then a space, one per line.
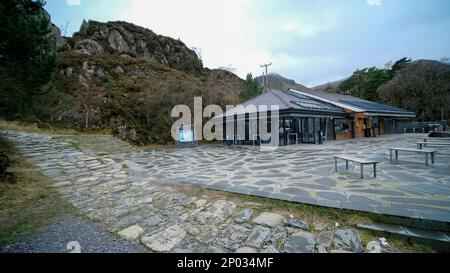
360, 161
420, 145
426, 152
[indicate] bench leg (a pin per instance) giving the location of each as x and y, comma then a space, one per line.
419, 146
347, 164
362, 171
390, 154
396, 155
335, 164
432, 159
375, 170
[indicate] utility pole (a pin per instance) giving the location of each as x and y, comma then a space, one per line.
266, 77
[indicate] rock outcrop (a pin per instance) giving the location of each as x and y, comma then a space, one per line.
126, 38
88, 46
126, 79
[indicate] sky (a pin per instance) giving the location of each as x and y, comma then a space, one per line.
310, 41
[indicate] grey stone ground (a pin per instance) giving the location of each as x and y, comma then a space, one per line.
69, 233
129, 192
306, 174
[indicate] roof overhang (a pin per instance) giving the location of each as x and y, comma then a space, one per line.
397, 115
283, 113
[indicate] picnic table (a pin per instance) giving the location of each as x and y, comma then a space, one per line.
423, 151
360, 161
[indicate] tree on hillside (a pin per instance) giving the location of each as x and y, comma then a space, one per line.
251, 88
27, 58
399, 65
228, 68
445, 60
365, 82
422, 87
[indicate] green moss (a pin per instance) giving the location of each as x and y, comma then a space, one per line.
76, 146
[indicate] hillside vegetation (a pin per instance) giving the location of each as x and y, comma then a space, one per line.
421, 86
113, 76
126, 78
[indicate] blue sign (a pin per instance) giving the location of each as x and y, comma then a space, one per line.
186, 135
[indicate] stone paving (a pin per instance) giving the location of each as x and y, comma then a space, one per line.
305, 174
147, 195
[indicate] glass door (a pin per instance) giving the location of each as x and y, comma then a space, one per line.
308, 135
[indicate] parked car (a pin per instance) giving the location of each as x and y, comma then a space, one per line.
434, 128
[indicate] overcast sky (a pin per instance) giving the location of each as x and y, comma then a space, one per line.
312, 42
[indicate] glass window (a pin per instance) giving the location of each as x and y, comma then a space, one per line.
342, 125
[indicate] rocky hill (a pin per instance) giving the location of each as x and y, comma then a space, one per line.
125, 78
278, 82
332, 87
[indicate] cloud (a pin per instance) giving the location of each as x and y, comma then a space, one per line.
374, 2
73, 2
309, 41
223, 30
308, 26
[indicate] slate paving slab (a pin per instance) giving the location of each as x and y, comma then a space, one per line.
269, 219
301, 242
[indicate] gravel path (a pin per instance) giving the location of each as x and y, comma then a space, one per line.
66, 234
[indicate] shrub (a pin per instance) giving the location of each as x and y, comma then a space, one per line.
4, 164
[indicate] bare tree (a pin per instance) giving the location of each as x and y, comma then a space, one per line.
88, 93
228, 68
422, 87
210, 86
445, 60
64, 29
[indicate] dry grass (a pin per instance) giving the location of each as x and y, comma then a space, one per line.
28, 205
33, 128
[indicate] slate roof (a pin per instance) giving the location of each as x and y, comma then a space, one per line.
356, 104
289, 101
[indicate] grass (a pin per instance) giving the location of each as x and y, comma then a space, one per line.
125, 166
313, 214
400, 244
28, 205
33, 128
76, 145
